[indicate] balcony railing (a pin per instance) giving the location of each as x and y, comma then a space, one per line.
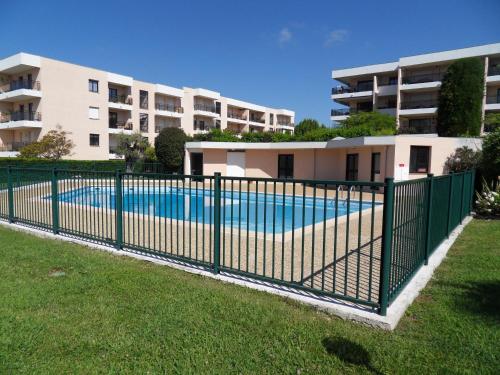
18, 85
21, 116
205, 108
347, 89
494, 70
348, 111
284, 123
14, 146
124, 125
123, 99
159, 128
493, 99
256, 119
169, 108
236, 115
422, 78
416, 104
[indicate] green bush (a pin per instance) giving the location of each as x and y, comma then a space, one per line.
463, 159
169, 146
460, 99
95, 165
372, 123
490, 161
306, 125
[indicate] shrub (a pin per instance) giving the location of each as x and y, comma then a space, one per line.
169, 146
492, 121
460, 99
463, 159
490, 160
488, 201
150, 155
54, 146
373, 123
306, 125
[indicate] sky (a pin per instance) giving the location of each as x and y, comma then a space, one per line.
277, 53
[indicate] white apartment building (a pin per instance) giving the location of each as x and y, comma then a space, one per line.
409, 88
38, 94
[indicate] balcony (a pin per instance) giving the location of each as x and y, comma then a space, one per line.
236, 116
116, 127
422, 82
207, 110
257, 121
362, 87
492, 102
21, 120
418, 107
14, 146
494, 70
169, 110
123, 102
20, 90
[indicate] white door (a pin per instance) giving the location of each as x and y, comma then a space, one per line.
236, 164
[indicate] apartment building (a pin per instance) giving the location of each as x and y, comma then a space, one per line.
38, 94
409, 88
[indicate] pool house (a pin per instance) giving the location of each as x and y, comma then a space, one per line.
403, 157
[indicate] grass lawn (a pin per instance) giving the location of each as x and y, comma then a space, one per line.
68, 309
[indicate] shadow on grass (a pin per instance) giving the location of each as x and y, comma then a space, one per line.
349, 352
478, 298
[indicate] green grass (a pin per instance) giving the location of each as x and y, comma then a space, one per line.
68, 309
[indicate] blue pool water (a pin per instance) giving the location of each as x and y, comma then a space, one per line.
282, 212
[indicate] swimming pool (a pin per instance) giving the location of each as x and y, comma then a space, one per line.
248, 211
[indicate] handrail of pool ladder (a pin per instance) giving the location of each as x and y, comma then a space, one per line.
341, 188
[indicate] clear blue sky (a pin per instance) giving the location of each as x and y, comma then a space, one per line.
278, 53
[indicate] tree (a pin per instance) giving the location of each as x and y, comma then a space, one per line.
132, 147
460, 99
463, 159
169, 146
380, 123
54, 145
490, 160
307, 125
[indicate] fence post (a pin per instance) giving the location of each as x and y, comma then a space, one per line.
119, 209
10, 194
450, 204
216, 229
462, 197
387, 229
473, 191
430, 191
55, 202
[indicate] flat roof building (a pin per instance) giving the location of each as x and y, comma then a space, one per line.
409, 88
38, 94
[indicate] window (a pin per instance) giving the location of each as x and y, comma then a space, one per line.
93, 85
94, 113
143, 121
285, 166
217, 124
419, 159
271, 119
217, 107
143, 99
199, 125
94, 140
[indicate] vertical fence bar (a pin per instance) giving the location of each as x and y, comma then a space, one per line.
387, 229
462, 176
10, 194
216, 227
450, 204
430, 191
55, 202
119, 209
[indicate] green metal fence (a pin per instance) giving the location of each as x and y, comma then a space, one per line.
356, 241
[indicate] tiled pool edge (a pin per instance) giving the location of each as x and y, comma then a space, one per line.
335, 307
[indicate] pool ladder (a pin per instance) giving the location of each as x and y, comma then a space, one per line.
341, 188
